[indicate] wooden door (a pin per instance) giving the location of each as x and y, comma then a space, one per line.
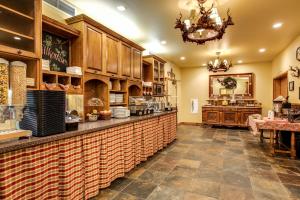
244, 115
112, 55
94, 49
211, 117
280, 85
137, 64
156, 71
126, 60
161, 72
229, 118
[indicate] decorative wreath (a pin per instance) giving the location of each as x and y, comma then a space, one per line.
228, 83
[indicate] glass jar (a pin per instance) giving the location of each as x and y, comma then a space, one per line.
4, 81
17, 81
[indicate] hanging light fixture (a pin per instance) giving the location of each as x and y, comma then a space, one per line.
219, 65
203, 25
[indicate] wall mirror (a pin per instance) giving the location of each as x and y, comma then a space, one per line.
229, 84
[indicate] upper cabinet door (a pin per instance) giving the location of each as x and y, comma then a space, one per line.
126, 60
94, 49
112, 55
137, 64
156, 71
161, 72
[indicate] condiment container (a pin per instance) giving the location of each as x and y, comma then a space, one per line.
17, 72
4, 81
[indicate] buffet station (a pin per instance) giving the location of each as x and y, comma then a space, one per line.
231, 100
74, 116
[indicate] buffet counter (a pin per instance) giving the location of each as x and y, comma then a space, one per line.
75, 165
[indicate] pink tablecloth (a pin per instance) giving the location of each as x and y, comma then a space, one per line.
256, 123
282, 125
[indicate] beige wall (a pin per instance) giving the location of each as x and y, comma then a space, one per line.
195, 83
55, 13
281, 64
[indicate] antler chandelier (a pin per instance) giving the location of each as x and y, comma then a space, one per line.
203, 25
219, 65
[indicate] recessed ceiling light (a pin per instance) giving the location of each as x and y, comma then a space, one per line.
277, 25
163, 42
121, 8
17, 38
240, 61
262, 50
204, 65
182, 58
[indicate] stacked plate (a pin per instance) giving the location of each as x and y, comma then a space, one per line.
112, 98
119, 98
120, 112
45, 113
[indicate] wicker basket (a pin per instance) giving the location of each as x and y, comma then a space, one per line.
105, 116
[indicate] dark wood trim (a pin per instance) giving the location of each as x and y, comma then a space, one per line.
146, 62
100, 26
58, 28
251, 83
189, 123
282, 75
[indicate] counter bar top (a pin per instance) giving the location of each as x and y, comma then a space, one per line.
212, 106
84, 128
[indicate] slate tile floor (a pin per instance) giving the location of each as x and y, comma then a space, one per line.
209, 164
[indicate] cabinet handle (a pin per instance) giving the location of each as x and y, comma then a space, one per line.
19, 52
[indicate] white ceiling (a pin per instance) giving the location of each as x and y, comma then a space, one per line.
148, 22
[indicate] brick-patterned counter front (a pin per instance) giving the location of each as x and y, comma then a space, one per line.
77, 167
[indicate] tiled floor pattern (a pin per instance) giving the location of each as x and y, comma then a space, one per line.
209, 164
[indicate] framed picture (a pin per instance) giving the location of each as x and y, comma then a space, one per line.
291, 85
298, 54
224, 91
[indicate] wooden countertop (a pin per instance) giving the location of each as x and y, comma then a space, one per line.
84, 128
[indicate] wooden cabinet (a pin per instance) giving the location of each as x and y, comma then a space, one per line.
158, 68
20, 29
100, 50
228, 115
21, 35
126, 60
137, 64
94, 49
112, 55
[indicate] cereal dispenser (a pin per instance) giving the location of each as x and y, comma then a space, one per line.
12, 95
